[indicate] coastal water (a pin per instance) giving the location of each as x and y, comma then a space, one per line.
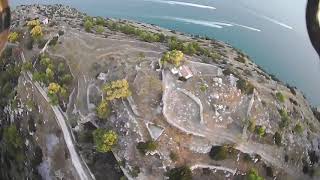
273, 33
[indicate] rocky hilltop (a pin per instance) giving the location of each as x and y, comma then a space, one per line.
100, 98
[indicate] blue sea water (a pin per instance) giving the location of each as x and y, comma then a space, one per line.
273, 33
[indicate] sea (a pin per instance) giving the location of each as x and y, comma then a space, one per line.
273, 33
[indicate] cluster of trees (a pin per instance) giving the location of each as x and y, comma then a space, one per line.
36, 29
104, 140
191, 48
13, 37
131, 30
9, 73
174, 57
112, 90
55, 77
54, 92
97, 23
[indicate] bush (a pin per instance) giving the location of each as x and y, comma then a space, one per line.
147, 146
245, 86
180, 173
104, 140
13, 37
298, 128
27, 66
218, 153
277, 138
60, 32
280, 97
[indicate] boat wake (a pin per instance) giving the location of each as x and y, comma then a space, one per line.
183, 4
213, 24
269, 19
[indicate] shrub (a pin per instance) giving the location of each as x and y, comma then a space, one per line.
253, 175
12, 137
66, 79
218, 153
117, 89
54, 88
260, 130
36, 32
60, 32
277, 138
173, 156
104, 140
147, 146
33, 23
252, 125
100, 29
54, 41
103, 110
88, 25
13, 37
173, 57
100, 21
27, 66
280, 97
203, 87
180, 173
245, 86
298, 128
284, 119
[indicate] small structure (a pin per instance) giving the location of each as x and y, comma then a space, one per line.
185, 72
102, 77
45, 21
155, 130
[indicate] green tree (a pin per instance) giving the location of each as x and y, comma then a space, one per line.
116, 89
253, 175
174, 57
66, 79
13, 37
260, 130
103, 110
27, 66
12, 137
36, 32
104, 140
218, 152
280, 97
180, 173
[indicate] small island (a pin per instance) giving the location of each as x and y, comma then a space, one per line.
100, 98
